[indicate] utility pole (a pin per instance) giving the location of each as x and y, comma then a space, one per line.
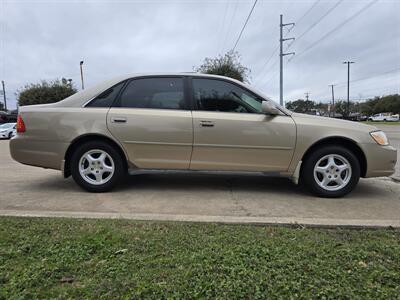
348, 85
281, 55
80, 64
333, 100
307, 95
4, 95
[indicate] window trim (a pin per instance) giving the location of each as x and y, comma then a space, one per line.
117, 102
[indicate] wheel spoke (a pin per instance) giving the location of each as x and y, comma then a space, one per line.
90, 158
107, 168
321, 169
87, 171
331, 161
102, 157
339, 181
99, 177
343, 167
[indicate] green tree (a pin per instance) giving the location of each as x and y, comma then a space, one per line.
45, 92
300, 105
228, 65
389, 103
1, 106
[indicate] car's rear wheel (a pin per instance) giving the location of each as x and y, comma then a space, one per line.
331, 171
96, 166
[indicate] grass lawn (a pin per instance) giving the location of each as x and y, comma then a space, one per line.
74, 258
381, 123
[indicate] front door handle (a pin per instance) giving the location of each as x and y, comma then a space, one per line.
118, 120
207, 124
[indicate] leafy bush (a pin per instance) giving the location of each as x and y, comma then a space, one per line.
228, 65
45, 92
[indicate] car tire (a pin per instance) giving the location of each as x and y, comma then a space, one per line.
330, 171
10, 135
97, 166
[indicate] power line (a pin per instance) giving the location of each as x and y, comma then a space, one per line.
245, 24
338, 27
223, 20
369, 77
288, 46
268, 60
319, 20
308, 11
230, 26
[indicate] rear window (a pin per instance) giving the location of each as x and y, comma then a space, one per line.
106, 98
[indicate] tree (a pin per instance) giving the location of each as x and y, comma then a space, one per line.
45, 92
389, 103
228, 65
300, 105
1, 106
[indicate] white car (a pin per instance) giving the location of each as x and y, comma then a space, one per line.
384, 117
8, 130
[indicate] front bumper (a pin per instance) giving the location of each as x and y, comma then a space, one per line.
45, 154
381, 160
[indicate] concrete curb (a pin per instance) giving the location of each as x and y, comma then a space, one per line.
309, 222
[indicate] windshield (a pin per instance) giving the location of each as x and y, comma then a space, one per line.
7, 125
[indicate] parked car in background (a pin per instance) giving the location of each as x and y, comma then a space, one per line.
8, 130
8, 117
384, 117
195, 122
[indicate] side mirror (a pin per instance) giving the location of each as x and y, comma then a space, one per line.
269, 109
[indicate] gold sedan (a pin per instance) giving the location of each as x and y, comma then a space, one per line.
195, 122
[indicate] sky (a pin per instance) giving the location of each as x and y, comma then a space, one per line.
46, 40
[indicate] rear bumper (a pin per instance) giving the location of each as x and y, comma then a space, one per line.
45, 154
381, 160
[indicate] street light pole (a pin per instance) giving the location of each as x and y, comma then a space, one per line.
4, 95
333, 100
348, 85
80, 64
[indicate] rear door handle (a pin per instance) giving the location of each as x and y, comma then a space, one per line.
118, 120
207, 124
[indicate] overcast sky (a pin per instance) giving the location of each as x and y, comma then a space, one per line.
47, 39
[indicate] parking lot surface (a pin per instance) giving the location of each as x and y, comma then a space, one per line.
244, 198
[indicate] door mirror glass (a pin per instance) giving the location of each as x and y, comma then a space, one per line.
269, 109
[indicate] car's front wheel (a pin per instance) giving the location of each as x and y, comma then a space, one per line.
331, 171
96, 166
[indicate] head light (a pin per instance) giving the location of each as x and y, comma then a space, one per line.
379, 137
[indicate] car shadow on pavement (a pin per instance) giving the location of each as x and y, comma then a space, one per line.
218, 182
195, 182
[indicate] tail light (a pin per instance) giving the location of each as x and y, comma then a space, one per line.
20, 125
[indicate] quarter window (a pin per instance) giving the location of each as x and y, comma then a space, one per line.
218, 95
162, 93
106, 98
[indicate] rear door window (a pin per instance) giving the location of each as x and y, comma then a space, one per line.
157, 93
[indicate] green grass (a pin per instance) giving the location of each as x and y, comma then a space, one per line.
381, 123
129, 259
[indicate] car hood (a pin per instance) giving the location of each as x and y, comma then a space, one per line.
318, 121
